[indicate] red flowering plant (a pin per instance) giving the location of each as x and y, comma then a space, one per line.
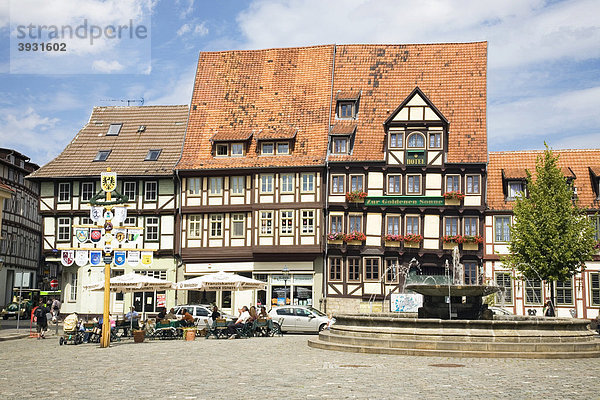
455, 194
472, 239
413, 238
452, 239
355, 235
355, 195
335, 236
393, 238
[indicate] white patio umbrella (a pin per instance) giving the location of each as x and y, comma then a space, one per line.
221, 281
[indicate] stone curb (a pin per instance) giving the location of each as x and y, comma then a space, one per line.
14, 337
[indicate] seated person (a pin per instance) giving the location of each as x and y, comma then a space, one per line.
162, 314
187, 319
253, 314
242, 319
131, 319
171, 314
213, 317
263, 313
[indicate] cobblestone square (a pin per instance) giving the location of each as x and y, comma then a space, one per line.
275, 368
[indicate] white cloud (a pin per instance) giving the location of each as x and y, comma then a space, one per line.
201, 29
197, 30
107, 66
188, 8
185, 28
175, 91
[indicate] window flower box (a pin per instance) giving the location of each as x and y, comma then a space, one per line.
413, 241
449, 242
335, 238
356, 196
355, 238
392, 240
471, 246
453, 198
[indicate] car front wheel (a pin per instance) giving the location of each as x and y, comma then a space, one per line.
277, 326
322, 326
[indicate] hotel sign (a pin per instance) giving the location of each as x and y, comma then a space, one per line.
404, 201
415, 157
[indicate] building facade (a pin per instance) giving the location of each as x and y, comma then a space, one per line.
142, 145
507, 172
20, 243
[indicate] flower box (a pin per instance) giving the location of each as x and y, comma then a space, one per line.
471, 246
392, 243
413, 245
449, 245
452, 202
355, 236
354, 242
340, 241
356, 196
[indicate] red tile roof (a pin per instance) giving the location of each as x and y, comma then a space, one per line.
6, 188
343, 129
577, 161
277, 134
228, 135
270, 89
348, 95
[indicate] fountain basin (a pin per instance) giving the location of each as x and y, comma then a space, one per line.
455, 290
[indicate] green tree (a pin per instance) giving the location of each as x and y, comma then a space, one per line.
551, 238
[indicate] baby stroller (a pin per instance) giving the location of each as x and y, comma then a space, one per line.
71, 332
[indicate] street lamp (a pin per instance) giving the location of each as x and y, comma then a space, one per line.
286, 276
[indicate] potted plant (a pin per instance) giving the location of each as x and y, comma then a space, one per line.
413, 240
392, 240
451, 241
356, 196
355, 238
453, 198
471, 242
335, 237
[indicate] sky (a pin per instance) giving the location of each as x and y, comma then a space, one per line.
543, 58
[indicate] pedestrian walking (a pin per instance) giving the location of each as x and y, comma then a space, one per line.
41, 320
549, 309
55, 309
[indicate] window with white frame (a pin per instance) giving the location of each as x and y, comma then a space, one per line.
308, 222
283, 148
87, 191
451, 226
595, 289
287, 183
413, 184
194, 226
215, 185
393, 225
194, 186
64, 192
130, 221
237, 186
86, 221
335, 268
130, 190
502, 229
471, 225
515, 189
266, 183
355, 223
150, 191
266, 223
596, 224
452, 183
473, 184
533, 291
64, 229
237, 149
353, 269
337, 184
435, 140
287, 222
267, 149
391, 270
337, 224
340, 145
73, 286
216, 225
356, 183
221, 150
394, 184
151, 229
238, 225
416, 140
412, 225
564, 292
396, 141
503, 280
308, 182
371, 269
345, 109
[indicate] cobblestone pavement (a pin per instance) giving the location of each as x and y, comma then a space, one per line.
274, 368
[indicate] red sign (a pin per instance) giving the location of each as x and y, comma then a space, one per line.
54, 283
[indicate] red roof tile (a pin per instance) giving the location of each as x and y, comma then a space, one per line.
347, 95
343, 129
279, 134
231, 136
514, 173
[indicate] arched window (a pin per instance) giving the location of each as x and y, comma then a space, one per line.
416, 140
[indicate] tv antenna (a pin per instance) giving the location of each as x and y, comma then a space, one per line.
128, 101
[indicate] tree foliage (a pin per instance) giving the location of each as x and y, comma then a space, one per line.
551, 238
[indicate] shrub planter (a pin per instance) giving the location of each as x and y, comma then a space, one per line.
139, 336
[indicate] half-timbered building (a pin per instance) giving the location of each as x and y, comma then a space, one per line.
142, 145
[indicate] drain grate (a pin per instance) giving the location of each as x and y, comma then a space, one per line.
354, 366
447, 365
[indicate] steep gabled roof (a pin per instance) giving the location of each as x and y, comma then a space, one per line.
163, 129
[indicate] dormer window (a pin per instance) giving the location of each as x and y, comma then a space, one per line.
102, 155
340, 145
114, 129
416, 141
283, 148
230, 143
347, 104
515, 189
237, 149
341, 138
221, 150
153, 155
267, 149
346, 109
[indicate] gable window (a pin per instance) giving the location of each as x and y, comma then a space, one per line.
345, 109
267, 149
353, 269
452, 183
355, 223
151, 229
394, 185
129, 190
337, 184
503, 280
266, 183
533, 291
515, 189
287, 222
416, 140
413, 184
451, 226
471, 226
64, 230
114, 129
193, 186
502, 229
216, 225
308, 222
435, 140
266, 223
335, 268
64, 192
340, 145
308, 182
412, 225
336, 223
396, 141
564, 292
595, 288
287, 183
356, 182
87, 191
393, 225
391, 270
215, 185
153, 155
194, 226
283, 148
102, 155
371, 269
473, 184
238, 225
221, 150
237, 149
150, 191
237, 185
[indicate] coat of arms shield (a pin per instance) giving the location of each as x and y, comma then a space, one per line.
95, 257
119, 258
95, 235
133, 258
67, 257
82, 234
81, 257
147, 257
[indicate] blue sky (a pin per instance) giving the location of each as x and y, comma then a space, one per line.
543, 59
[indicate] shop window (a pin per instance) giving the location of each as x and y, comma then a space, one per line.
353, 269
371, 269
503, 280
473, 184
533, 291
335, 268
564, 292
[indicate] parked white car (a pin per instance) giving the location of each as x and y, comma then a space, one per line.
201, 313
299, 319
